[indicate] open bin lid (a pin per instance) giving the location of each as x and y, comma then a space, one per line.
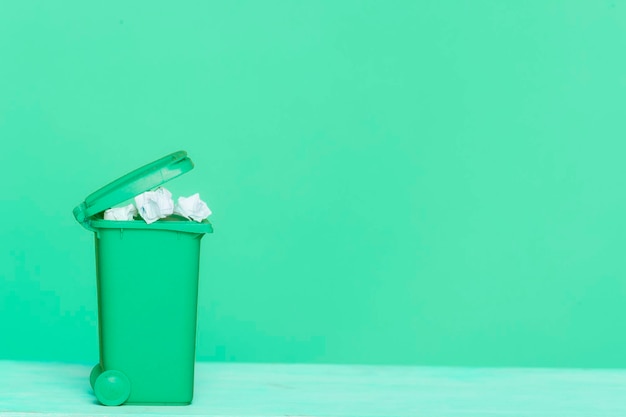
143, 179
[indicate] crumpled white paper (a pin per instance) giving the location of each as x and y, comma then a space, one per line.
192, 208
155, 205
121, 213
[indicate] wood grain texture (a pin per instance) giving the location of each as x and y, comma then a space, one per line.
268, 390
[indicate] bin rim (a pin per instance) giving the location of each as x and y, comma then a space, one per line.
176, 225
145, 178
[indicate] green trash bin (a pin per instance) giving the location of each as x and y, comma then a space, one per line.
147, 281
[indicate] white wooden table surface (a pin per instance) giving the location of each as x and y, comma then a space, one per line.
267, 390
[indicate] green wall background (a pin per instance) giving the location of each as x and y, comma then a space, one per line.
411, 182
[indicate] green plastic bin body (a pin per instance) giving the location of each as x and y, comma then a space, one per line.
147, 284
147, 304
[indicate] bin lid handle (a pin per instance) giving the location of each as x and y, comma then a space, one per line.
142, 179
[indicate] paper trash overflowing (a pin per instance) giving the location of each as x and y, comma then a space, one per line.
192, 208
121, 213
155, 205
158, 204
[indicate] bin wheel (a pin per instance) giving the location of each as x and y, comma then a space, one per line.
95, 373
112, 388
